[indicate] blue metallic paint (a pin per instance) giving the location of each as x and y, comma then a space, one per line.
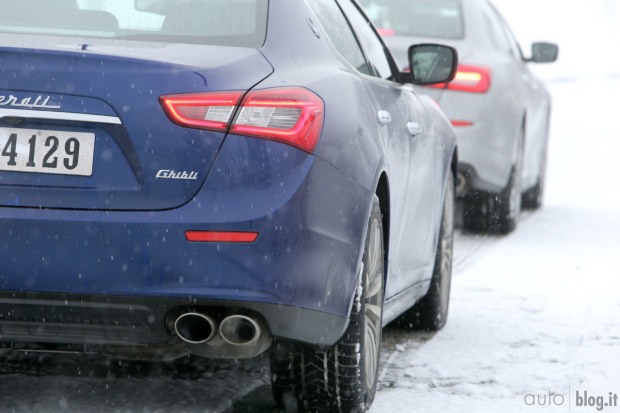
310, 209
128, 156
303, 246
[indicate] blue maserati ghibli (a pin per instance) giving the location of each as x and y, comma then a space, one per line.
222, 178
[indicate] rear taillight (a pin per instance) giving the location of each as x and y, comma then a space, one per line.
473, 79
289, 115
211, 111
386, 32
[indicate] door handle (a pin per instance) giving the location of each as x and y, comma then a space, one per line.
384, 117
414, 128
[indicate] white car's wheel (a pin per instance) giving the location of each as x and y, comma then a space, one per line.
497, 213
533, 197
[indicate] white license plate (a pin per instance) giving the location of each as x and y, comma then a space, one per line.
48, 152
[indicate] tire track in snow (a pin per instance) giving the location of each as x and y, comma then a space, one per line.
398, 344
467, 248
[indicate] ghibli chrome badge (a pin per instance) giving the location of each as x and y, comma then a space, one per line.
169, 174
29, 102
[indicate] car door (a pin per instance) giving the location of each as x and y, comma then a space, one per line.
536, 103
410, 158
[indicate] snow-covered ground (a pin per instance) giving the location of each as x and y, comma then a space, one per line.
535, 316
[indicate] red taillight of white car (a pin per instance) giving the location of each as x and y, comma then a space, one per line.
472, 79
293, 116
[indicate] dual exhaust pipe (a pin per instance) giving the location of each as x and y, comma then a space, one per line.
235, 330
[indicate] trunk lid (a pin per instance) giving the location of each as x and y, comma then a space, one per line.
81, 125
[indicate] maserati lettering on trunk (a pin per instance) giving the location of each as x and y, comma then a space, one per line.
28, 102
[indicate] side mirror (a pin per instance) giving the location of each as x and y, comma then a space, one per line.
544, 52
432, 63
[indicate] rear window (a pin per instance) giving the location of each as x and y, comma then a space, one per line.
218, 22
421, 18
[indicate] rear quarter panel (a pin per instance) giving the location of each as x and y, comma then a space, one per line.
349, 141
352, 140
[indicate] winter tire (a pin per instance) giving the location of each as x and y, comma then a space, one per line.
341, 378
505, 208
533, 197
496, 213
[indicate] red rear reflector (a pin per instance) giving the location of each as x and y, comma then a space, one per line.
289, 115
473, 79
221, 236
211, 111
461, 123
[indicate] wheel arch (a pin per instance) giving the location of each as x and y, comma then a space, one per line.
383, 193
454, 165
523, 129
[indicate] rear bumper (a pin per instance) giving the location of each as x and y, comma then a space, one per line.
137, 266
469, 181
487, 158
487, 145
93, 322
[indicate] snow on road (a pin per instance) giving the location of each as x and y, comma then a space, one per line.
536, 318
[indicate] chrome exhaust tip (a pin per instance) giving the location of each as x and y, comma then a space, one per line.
240, 330
195, 328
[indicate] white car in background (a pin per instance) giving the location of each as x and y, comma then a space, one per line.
499, 109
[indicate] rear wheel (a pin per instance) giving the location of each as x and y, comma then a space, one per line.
341, 378
533, 197
505, 208
496, 213
430, 313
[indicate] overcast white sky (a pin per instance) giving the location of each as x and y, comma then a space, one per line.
586, 30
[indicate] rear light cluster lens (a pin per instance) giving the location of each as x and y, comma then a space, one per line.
386, 32
289, 115
205, 111
472, 79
